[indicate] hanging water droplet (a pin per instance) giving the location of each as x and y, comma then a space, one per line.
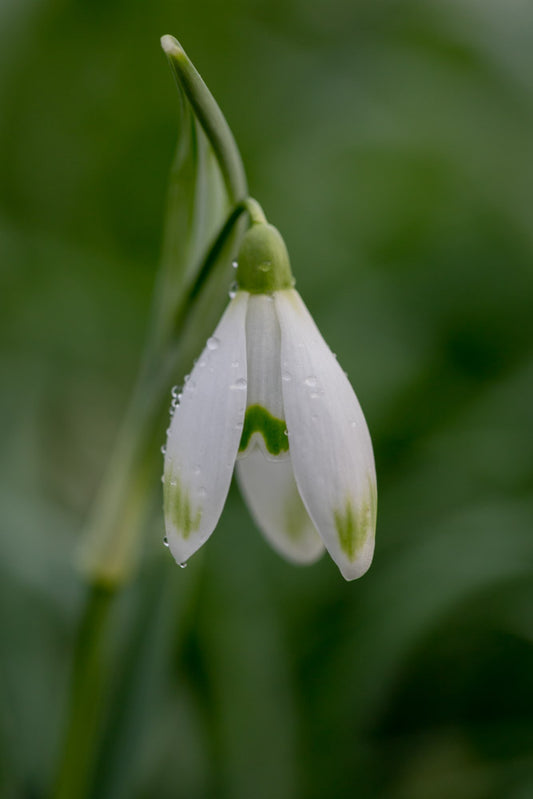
212, 343
163, 449
286, 433
162, 478
175, 402
182, 565
175, 391
239, 384
233, 289
165, 542
311, 381
235, 264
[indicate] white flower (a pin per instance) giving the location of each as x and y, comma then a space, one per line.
268, 394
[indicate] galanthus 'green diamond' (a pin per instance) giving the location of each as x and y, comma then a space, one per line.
263, 261
259, 420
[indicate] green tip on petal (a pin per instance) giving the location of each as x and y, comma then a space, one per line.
353, 526
259, 420
263, 261
178, 508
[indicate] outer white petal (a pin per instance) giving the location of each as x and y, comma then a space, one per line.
329, 440
272, 496
204, 435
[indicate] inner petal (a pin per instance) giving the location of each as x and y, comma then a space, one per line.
264, 423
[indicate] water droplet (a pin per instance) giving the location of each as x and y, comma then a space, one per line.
174, 404
163, 449
286, 432
212, 343
316, 394
353, 424
233, 289
286, 376
162, 478
182, 565
265, 266
202, 362
167, 431
235, 264
165, 542
175, 391
173, 483
235, 364
239, 384
311, 381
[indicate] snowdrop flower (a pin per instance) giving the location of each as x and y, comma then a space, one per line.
268, 395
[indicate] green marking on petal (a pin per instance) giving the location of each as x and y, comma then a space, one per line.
259, 420
178, 508
354, 525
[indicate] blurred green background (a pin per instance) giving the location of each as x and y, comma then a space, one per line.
392, 144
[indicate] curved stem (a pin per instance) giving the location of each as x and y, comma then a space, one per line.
211, 118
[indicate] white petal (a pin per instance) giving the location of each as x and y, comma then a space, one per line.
329, 441
204, 435
264, 425
272, 496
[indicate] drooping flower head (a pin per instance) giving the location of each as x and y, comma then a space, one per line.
268, 395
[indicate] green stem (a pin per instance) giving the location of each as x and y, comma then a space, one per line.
211, 118
87, 698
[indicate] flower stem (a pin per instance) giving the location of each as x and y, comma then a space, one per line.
86, 699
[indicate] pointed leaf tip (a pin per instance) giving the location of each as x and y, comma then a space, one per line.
170, 45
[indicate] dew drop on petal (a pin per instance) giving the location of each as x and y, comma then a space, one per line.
311, 381
182, 565
235, 264
212, 343
239, 384
233, 289
162, 478
175, 391
165, 541
163, 448
235, 364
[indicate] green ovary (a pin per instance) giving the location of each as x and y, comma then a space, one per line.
178, 508
259, 420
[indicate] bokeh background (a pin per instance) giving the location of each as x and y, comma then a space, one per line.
392, 144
